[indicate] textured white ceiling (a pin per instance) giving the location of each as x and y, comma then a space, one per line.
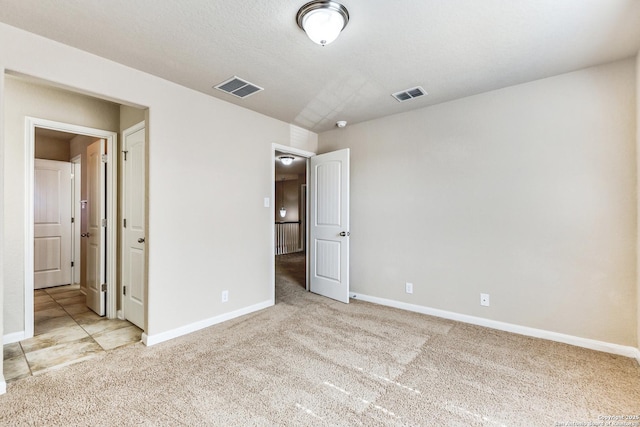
452, 48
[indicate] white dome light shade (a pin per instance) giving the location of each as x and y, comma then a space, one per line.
323, 26
286, 160
322, 20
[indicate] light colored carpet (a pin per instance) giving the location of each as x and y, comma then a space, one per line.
310, 361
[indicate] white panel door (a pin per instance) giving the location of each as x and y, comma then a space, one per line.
95, 234
329, 225
134, 226
52, 224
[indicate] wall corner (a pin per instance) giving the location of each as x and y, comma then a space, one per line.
3, 384
638, 204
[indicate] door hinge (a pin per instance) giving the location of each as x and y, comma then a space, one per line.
105, 158
125, 155
124, 290
103, 287
73, 220
125, 223
72, 264
104, 222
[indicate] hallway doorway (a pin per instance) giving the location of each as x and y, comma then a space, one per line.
290, 213
104, 260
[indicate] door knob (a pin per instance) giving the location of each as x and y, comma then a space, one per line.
345, 234
85, 234
141, 240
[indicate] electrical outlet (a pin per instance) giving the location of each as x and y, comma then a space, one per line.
408, 288
484, 300
225, 296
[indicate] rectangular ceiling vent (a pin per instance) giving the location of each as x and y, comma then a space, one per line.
407, 94
238, 87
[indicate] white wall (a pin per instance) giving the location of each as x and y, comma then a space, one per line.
526, 193
197, 146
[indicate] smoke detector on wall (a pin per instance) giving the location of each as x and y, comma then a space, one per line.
341, 123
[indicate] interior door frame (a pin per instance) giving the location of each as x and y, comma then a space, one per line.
31, 123
307, 155
76, 170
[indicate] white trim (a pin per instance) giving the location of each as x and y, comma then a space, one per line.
120, 315
3, 385
112, 184
76, 189
508, 327
28, 227
298, 152
13, 337
150, 340
290, 150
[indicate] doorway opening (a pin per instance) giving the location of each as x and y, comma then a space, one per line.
103, 195
324, 237
290, 231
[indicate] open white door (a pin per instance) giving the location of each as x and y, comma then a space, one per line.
133, 225
329, 225
95, 234
52, 224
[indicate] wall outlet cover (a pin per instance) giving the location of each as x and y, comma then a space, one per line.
225, 296
484, 300
408, 288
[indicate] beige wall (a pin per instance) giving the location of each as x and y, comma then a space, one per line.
197, 146
290, 198
51, 148
130, 116
638, 195
526, 193
23, 99
3, 385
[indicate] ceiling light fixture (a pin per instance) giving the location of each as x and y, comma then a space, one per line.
322, 20
286, 160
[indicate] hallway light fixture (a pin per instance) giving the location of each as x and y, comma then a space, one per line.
322, 20
286, 160
283, 211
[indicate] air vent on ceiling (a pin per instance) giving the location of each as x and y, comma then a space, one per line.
407, 94
238, 87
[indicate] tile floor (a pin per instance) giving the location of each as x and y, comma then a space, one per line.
65, 332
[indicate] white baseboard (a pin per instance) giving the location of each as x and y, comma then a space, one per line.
13, 337
508, 327
3, 385
154, 339
120, 314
